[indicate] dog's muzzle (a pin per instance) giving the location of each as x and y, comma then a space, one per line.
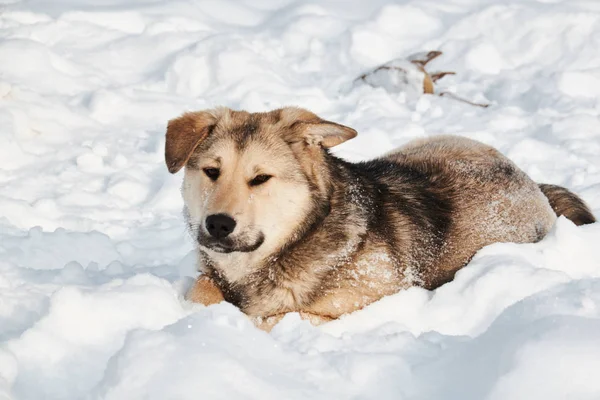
220, 240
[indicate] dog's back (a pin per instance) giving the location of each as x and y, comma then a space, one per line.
492, 199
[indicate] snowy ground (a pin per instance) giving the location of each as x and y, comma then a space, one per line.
94, 256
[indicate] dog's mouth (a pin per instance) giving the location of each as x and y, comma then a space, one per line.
227, 245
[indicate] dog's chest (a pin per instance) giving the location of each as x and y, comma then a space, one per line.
373, 273
331, 290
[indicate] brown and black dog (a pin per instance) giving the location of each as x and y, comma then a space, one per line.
282, 225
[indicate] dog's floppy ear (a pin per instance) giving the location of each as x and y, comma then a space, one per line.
184, 134
308, 127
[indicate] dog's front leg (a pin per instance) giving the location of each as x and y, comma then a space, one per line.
204, 291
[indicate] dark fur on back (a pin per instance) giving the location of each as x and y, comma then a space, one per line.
567, 203
397, 186
400, 191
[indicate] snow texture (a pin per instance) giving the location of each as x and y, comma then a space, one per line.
94, 256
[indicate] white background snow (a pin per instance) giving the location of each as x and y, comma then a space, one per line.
94, 256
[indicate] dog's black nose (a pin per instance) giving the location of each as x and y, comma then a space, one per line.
220, 225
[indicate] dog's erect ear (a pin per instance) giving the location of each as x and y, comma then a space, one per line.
184, 134
306, 126
326, 134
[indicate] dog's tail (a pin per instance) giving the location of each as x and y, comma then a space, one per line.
566, 203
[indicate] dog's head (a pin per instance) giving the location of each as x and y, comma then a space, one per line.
251, 179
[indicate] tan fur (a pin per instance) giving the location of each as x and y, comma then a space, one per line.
204, 291
319, 252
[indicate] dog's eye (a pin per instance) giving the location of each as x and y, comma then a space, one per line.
212, 173
260, 179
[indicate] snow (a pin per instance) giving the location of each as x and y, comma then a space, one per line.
94, 257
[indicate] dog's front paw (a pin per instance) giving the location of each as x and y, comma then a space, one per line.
204, 291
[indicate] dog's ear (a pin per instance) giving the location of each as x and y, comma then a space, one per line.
326, 133
308, 127
184, 134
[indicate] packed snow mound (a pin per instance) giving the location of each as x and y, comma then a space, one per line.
94, 257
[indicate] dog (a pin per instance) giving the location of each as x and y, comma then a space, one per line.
282, 225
